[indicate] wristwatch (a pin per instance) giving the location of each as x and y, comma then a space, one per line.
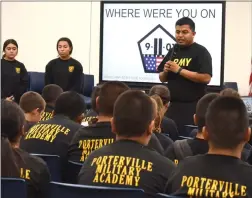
180, 69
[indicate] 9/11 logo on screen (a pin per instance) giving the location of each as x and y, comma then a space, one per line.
154, 46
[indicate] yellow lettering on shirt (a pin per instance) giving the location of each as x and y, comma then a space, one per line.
183, 62
206, 187
46, 132
46, 116
25, 173
120, 170
87, 146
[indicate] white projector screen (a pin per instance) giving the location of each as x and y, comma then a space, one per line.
130, 31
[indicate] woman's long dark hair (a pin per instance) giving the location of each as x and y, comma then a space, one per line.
7, 42
9, 166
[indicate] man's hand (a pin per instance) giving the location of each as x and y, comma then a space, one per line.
11, 98
171, 66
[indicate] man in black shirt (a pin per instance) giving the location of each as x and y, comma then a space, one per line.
220, 172
54, 135
129, 162
168, 126
181, 149
50, 94
33, 169
188, 69
97, 135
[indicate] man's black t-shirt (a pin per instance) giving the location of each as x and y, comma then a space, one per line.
51, 136
93, 137
198, 146
47, 114
28, 125
168, 126
35, 171
195, 58
211, 176
127, 163
67, 74
14, 79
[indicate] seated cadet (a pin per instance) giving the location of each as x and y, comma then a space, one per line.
33, 106
91, 116
220, 172
181, 149
54, 135
168, 126
129, 162
97, 135
50, 94
33, 169
163, 139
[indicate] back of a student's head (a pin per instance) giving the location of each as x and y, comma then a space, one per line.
109, 92
12, 120
134, 114
33, 104
201, 109
94, 95
230, 92
162, 91
71, 105
227, 124
51, 92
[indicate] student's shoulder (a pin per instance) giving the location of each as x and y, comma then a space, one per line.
76, 62
20, 64
202, 49
52, 62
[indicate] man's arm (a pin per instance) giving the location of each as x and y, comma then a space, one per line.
195, 77
163, 76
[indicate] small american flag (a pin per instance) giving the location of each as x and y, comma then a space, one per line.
151, 62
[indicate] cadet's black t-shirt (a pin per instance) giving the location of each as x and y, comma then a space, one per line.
35, 171
90, 117
28, 125
164, 140
90, 138
198, 146
127, 163
51, 136
47, 114
211, 176
168, 126
194, 58
67, 74
14, 79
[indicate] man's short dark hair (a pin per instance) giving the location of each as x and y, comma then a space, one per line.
94, 95
162, 91
12, 119
201, 109
70, 104
51, 92
230, 92
30, 101
133, 113
109, 92
186, 21
227, 122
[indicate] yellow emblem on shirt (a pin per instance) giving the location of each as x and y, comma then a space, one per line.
70, 68
17, 70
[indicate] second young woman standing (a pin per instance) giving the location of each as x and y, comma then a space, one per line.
64, 71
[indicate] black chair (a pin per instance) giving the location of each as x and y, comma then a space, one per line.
161, 195
54, 164
73, 169
36, 81
64, 190
232, 85
87, 88
13, 188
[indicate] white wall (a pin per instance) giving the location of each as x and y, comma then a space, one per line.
38, 25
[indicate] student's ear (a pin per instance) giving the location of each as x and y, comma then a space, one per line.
205, 133
194, 33
113, 128
53, 113
151, 127
97, 102
195, 119
248, 134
